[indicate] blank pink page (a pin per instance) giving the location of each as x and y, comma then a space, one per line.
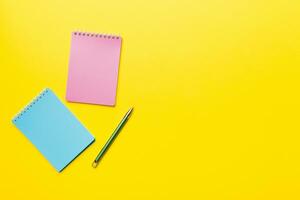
93, 68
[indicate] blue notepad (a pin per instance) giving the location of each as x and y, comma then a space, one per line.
53, 129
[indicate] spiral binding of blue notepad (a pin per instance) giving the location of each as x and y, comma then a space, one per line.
53, 129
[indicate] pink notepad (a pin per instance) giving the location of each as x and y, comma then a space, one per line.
93, 68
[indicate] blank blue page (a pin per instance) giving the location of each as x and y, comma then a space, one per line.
53, 129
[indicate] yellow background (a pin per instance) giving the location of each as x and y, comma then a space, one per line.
215, 86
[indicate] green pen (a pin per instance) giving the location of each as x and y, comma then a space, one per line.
111, 139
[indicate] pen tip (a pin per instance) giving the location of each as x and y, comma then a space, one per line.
94, 164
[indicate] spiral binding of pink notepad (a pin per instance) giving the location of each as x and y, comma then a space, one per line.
93, 68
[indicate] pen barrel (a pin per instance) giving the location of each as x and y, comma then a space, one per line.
112, 137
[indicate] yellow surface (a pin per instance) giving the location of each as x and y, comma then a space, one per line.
215, 86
